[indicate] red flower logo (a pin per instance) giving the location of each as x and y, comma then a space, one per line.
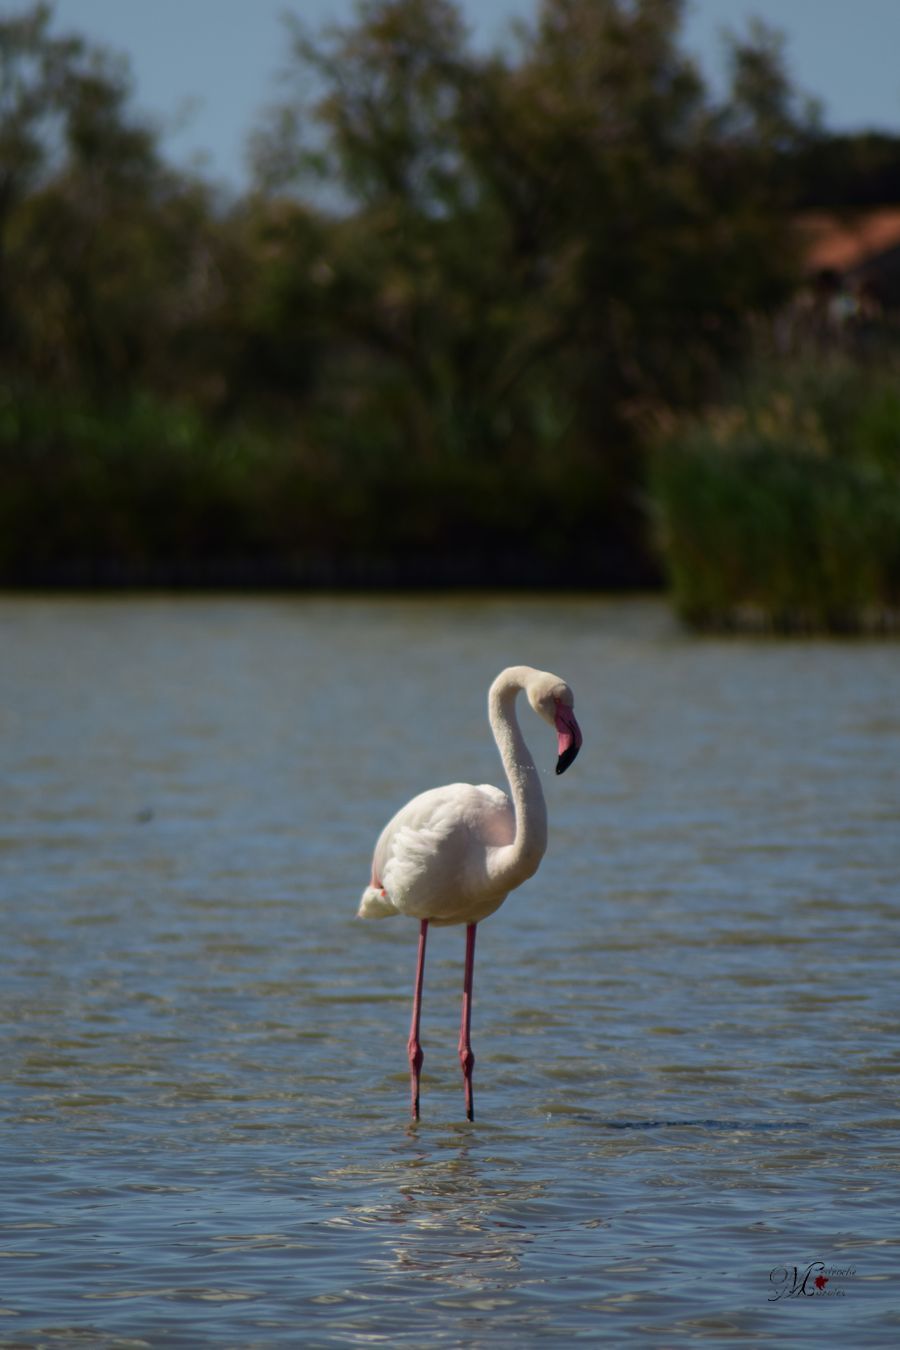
821, 1281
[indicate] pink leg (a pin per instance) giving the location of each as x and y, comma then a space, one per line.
416, 1054
466, 1058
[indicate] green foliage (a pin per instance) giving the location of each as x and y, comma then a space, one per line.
577, 212
781, 509
150, 491
120, 486
852, 169
110, 263
426, 341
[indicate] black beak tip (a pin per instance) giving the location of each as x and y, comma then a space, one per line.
566, 758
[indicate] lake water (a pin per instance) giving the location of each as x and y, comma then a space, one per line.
685, 1025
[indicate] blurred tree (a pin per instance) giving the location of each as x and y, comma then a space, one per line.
109, 261
437, 324
851, 169
529, 248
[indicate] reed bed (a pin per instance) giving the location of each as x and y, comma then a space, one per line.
779, 509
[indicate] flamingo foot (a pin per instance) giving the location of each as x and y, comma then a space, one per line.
416, 1056
467, 1060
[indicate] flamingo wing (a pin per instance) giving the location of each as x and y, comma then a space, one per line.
431, 858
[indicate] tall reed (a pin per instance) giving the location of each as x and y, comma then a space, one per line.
780, 509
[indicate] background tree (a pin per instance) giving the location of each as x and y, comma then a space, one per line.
530, 248
109, 260
428, 343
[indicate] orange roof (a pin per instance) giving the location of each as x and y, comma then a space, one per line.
842, 241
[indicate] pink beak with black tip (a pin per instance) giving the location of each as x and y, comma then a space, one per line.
570, 738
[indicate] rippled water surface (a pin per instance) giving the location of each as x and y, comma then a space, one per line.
685, 1025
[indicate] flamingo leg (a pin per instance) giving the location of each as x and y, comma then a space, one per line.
416, 1054
466, 1058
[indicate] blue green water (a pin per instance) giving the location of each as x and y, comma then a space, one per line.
685, 1025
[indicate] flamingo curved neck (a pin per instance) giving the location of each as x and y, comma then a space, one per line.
519, 860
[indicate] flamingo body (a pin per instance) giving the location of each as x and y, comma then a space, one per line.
432, 860
453, 854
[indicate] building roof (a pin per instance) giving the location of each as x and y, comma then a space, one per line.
843, 241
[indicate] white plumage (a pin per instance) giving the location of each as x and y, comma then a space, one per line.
432, 859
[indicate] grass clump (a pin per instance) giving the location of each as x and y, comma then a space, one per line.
780, 509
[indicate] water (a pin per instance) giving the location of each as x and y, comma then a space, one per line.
685, 1026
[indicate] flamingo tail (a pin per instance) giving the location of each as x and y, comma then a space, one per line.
375, 904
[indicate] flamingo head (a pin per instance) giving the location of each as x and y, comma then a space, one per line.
553, 700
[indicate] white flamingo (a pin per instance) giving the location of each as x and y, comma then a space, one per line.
453, 854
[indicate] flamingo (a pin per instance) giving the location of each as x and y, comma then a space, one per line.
453, 854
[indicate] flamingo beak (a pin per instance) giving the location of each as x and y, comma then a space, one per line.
570, 738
